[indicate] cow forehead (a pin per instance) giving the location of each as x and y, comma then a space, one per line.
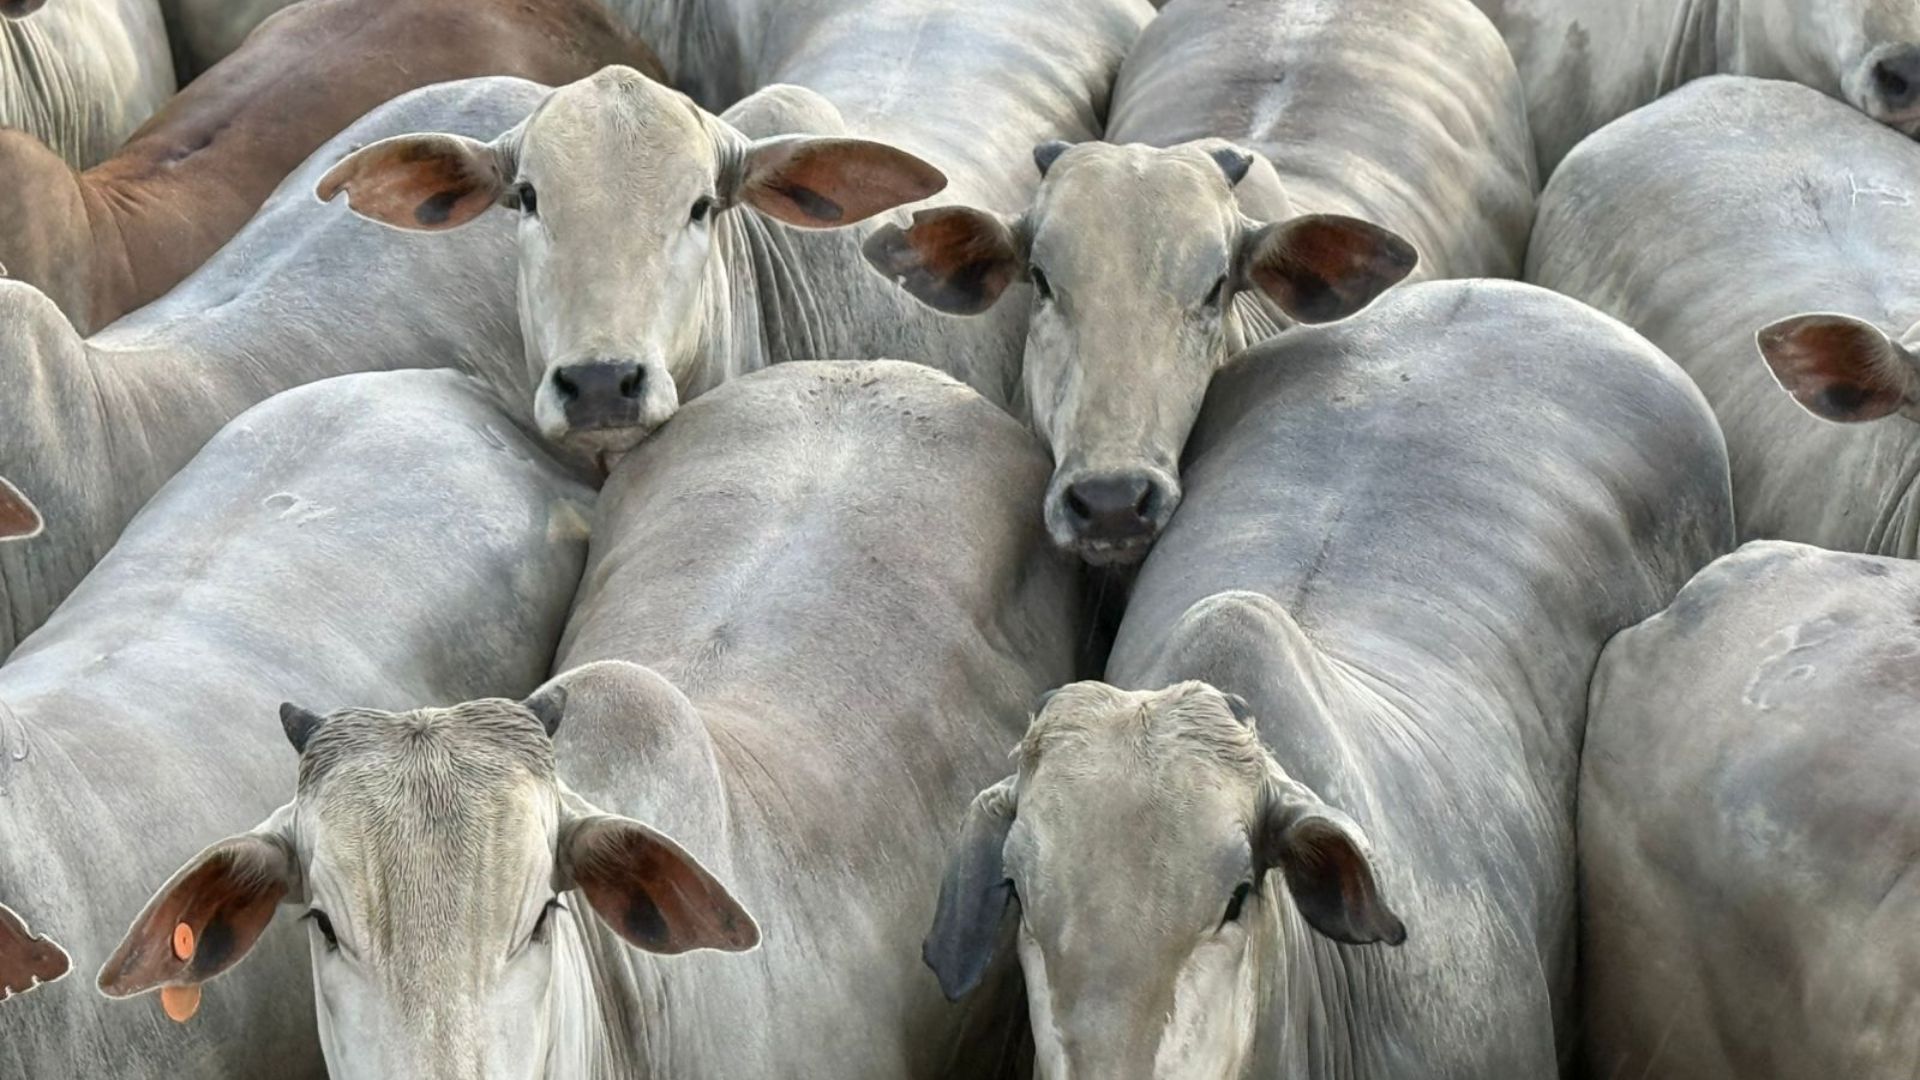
613, 125
1171, 209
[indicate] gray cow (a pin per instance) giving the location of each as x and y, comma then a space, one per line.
844, 609
664, 249
91, 427
1585, 62
1150, 267
81, 75
1747, 827
1787, 203
386, 539
1405, 540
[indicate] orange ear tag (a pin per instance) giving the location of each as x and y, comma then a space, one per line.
180, 1002
183, 942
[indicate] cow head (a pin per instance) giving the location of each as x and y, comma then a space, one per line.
441, 870
1146, 848
1134, 256
1842, 369
1866, 50
620, 185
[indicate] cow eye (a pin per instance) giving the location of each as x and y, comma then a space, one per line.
540, 924
1219, 290
1239, 900
325, 926
1041, 286
526, 198
702, 206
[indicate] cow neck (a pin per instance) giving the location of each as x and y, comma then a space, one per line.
1696, 42
1896, 529
770, 306
599, 997
1324, 1006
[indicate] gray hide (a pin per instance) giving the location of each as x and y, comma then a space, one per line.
1722, 209
1405, 540
90, 428
81, 75
837, 569
1747, 826
1404, 113
1586, 62
389, 539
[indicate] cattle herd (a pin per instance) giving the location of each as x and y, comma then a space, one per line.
960, 539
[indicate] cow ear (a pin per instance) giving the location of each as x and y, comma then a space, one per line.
19, 518
819, 182
975, 896
20, 9
1840, 368
26, 959
548, 705
1323, 267
209, 914
649, 890
420, 182
1324, 859
953, 259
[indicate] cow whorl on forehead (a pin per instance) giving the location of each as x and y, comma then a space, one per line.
1184, 719
486, 741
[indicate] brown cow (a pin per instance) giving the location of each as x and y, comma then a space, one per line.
108, 240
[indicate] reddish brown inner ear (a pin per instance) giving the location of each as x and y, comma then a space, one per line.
1834, 366
955, 259
27, 961
226, 901
416, 182
18, 517
824, 183
654, 894
1326, 267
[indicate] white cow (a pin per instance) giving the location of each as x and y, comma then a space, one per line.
81, 75
1748, 828
388, 539
1737, 206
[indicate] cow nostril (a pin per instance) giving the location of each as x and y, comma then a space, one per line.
1077, 504
567, 388
1892, 83
630, 383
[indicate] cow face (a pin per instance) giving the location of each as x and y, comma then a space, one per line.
1869, 50
623, 187
1145, 848
447, 882
1134, 255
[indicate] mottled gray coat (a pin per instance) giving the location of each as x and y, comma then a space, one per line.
389, 539
1405, 539
1717, 213
81, 75
1404, 113
89, 428
1585, 62
1747, 826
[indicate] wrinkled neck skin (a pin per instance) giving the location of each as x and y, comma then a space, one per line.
81, 75
1704, 31
1896, 523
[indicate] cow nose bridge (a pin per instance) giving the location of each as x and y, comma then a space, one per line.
1115, 506
600, 393
1896, 76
